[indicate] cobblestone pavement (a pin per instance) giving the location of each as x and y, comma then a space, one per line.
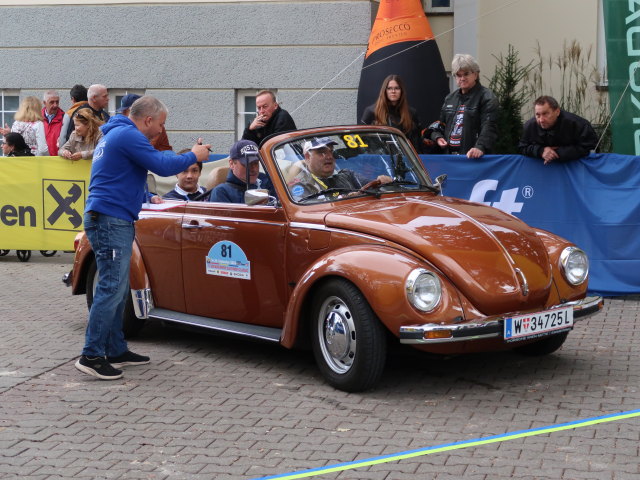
211, 407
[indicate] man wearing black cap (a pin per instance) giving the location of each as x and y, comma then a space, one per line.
242, 157
318, 171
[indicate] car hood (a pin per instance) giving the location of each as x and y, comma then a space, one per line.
497, 261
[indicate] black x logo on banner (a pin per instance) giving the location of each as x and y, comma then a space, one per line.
64, 205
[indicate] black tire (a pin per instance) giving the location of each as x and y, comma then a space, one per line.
48, 253
349, 342
544, 346
23, 255
4, 252
131, 324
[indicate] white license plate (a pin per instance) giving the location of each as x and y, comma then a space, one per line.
537, 324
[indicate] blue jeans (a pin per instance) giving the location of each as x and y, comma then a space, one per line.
111, 239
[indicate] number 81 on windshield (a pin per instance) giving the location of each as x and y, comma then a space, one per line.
538, 324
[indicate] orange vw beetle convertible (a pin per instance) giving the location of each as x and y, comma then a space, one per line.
353, 247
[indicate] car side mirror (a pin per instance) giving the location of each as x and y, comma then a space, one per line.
256, 196
440, 179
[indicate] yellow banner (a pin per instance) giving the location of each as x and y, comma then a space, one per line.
42, 202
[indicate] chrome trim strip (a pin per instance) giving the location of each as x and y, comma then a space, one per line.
259, 332
313, 226
142, 302
324, 228
489, 327
524, 285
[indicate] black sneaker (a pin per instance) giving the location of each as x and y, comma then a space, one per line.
128, 358
98, 367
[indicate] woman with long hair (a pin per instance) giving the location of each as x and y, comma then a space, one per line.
392, 109
14, 145
85, 136
28, 123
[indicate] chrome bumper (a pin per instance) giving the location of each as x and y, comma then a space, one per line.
489, 327
142, 302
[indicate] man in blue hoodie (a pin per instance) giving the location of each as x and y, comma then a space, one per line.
116, 193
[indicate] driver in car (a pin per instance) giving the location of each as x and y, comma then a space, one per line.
318, 172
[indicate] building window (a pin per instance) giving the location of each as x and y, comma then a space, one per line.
8, 107
115, 97
438, 6
246, 108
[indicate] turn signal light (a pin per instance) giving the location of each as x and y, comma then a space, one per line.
437, 334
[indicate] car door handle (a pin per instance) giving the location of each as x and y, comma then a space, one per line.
191, 226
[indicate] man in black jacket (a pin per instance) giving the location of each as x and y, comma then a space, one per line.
556, 135
467, 124
270, 119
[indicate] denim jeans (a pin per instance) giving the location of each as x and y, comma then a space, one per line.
111, 239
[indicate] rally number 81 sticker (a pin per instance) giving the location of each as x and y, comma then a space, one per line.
227, 259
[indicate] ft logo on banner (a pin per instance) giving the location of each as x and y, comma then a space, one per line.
63, 204
507, 202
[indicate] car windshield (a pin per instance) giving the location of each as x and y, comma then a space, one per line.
330, 167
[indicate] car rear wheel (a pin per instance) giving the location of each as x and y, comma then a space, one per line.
349, 342
544, 346
131, 324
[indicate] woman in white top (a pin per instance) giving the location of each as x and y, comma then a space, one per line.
28, 123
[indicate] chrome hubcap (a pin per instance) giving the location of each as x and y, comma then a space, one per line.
337, 335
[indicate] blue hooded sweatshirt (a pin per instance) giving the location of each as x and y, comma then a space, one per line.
119, 170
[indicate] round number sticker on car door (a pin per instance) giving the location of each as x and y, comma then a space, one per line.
227, 259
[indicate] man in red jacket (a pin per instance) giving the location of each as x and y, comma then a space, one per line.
53, 116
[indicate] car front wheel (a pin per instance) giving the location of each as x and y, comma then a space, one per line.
131, 324
349, 342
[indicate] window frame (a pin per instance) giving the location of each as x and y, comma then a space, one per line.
243, 117
7, 93
428, 8
116, 94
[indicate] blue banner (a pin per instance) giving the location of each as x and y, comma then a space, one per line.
593, 202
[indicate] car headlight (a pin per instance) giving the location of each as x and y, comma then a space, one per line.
575, 265
423, 289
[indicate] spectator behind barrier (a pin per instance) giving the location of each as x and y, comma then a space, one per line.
14, 145
78, 95
467, 124
392, 109
85, 136
556, 135
270, 119
98, 100
28, 123
52, 117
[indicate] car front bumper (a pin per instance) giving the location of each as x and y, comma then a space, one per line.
490, 327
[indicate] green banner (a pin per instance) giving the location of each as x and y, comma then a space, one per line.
622, 30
